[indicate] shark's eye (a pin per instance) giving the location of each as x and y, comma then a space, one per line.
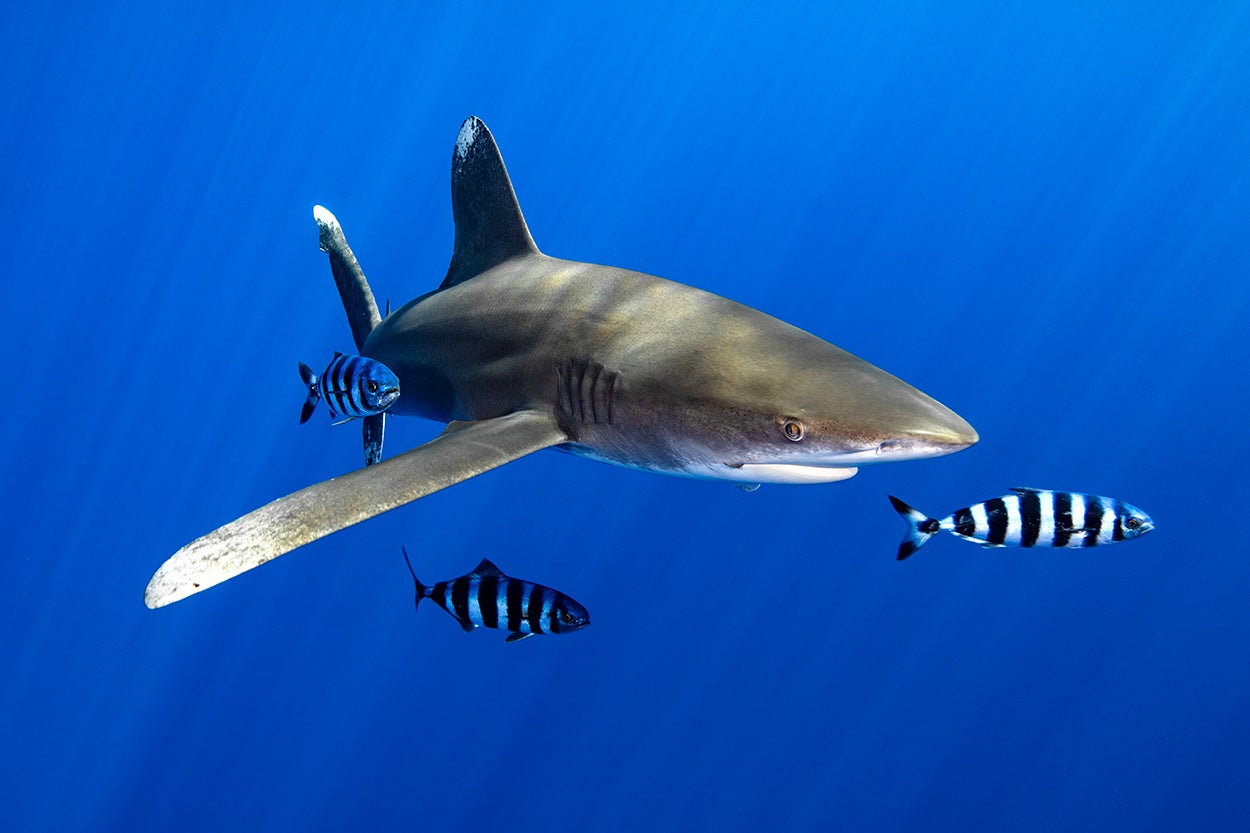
1132, 523
793, 430
373, 386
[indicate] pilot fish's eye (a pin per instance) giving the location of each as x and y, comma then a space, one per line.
566, 617
373, 386
1132, 523
793, 429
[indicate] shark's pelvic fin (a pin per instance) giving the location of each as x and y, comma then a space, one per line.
463, 450
358, 302
372, 432
489, 225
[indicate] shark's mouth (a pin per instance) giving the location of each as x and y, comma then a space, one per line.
789, 473
831, 467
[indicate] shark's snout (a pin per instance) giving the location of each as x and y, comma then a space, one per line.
950, 435
942, 436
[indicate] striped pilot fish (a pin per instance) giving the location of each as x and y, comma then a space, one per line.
352, 386
487, 597
1030, 518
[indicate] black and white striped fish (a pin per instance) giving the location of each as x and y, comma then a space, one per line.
1030, 518
352, 386
489, 598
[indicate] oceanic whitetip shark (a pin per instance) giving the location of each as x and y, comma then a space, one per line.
518, 351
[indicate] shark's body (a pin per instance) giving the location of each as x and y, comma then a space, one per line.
519, 351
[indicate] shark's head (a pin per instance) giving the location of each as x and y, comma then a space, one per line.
825, 437
811, 445
773, 404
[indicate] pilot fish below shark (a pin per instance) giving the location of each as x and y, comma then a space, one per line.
1030, 518
491, 599
352, 386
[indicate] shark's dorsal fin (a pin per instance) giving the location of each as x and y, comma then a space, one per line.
486, 568
489, 225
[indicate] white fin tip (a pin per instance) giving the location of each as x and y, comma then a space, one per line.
323, 217
466, 138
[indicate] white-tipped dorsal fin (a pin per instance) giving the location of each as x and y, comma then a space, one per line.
489, 225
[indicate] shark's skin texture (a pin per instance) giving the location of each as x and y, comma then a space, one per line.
520, 351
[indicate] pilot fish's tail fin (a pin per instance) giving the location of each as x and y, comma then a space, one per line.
310, 404
920, 528
422, 590
360, 306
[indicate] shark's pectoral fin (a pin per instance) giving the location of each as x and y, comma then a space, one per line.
463, 450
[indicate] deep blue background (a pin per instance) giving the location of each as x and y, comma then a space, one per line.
1038, 215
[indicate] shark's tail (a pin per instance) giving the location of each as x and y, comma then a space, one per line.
422, 590
920, 528
314, 396
360, 306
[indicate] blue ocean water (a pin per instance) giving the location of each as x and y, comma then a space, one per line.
1035, 212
